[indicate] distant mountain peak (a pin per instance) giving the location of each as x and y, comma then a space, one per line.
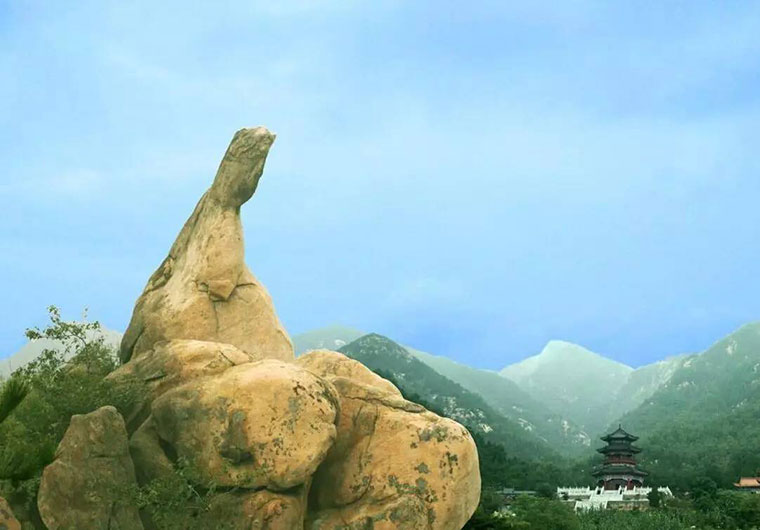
571, 380
330, 337
380, 344
558, 351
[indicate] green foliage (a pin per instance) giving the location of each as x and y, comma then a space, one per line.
173, 502
703, 422
639, 520
12, 393
541, 513
526, 513
65, 380
654, 497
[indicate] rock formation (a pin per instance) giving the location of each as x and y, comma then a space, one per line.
316, 443
393, 463
203, 289
7, 520
84, 486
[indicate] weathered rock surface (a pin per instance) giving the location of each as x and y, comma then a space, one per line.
148, 457
394, 464
7, 519
84, 486
264, 424
172, 363
266, 432
203, 289
327, 363
258, 510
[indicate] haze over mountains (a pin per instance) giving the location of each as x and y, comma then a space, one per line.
591, 389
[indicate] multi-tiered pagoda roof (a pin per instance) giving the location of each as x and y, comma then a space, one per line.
619, 467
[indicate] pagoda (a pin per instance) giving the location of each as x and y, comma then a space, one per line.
619, 468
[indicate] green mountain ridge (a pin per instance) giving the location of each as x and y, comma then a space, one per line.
704, 420
512, 402
329, 338
501, 394
572, 381
589, 389
414, 376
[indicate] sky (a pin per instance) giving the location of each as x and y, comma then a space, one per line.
472, 180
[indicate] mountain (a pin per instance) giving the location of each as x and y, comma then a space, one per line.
329, 338
34, 348
415, 377
572, 381
512, 402
704, 420
642, 383
501, 394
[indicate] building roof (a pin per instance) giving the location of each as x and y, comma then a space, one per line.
748, 482
617, 447
618, 469
619, 435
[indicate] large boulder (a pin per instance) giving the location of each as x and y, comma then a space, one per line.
258, 510
229, 407
327, 363
263, 424
394, 464
85, 487
203, 289
169, 364
7, 519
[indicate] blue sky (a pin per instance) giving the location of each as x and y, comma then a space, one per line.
470, 179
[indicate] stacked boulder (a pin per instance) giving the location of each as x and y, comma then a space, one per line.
319, 443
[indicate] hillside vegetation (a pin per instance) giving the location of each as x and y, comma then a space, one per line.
704, 420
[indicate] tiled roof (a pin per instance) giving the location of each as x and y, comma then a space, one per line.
748, 482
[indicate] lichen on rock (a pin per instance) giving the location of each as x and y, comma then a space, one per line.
316, 443
84, 486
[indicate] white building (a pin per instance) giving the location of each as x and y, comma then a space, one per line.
600, 499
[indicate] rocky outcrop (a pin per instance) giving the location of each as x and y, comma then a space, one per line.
262, 509
85, 486
7, 520
394, 464
169, 364
203, 289
277, 443
265, 424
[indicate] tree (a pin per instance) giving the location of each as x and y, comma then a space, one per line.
64, 380
546, 491
654, 497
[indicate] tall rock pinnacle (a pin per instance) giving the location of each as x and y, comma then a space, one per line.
203, 290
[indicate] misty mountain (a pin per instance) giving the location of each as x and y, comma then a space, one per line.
704, 420
512, 402
572, 381
328, 338
415, 377
503, 395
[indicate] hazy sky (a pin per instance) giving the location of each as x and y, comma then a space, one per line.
472, 179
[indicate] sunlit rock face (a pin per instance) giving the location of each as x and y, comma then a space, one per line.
203, 289
7, 520
84, 487
318, 443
